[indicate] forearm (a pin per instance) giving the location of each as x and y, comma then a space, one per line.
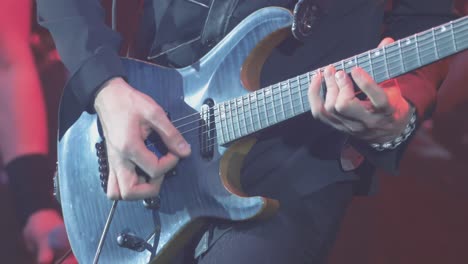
23, 127
88, 48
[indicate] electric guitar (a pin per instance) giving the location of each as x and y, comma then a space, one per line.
217, 123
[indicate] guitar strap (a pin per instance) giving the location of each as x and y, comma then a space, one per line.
171, 50
217, 21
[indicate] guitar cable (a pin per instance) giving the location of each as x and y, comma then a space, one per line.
105, 231
64, 257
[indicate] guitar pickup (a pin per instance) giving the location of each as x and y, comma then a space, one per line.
207, 130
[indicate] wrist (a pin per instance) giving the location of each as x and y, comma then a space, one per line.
100, 93
407, 131
30, 185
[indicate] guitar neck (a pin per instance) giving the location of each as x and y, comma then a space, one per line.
266, 107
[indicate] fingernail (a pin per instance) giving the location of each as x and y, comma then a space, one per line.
183, 146
339, 75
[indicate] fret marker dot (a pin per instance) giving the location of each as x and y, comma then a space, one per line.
408, 41
443, 29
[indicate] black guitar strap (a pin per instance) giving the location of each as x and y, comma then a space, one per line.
217, 21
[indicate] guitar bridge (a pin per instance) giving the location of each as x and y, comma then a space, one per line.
207, 130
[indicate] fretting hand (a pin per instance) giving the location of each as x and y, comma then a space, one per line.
380, 118
128, 117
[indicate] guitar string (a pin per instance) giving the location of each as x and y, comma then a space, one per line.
249, 130
420, 42
367, 61
397, 44
242, 120
232, 109
387, 68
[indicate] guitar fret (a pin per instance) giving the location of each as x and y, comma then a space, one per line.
232, 123
401, 56
241, 116
261, 106
228, 122
352, 62
284, 95
238, 121
223, 118
230, 109
249, 103
379, 65
257, 99
361, 62
220, 128
243, 121
264, 106
384, 50
443, 42
300, 93
270, 94
280, 100
290, 87
411, 56
234, 117
417, 50
426, 48
435, 44
452, 35
252, 99
273, 110
248, 112
370, 65
395, 59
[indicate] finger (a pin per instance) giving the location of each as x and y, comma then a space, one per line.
132, 189
332, 89
315, 100
168, 133
148, 161
45, 255
373, 91
317, 104
113, 190
385, 42
346, 102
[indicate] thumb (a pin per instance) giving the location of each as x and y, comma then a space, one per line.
45, 255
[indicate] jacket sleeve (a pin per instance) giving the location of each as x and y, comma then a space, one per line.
418, 87
87, 47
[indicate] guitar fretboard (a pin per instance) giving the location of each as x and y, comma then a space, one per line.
266, 107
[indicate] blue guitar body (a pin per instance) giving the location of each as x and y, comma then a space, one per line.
201, 187
206, 102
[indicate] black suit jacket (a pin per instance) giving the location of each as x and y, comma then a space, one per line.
306, 150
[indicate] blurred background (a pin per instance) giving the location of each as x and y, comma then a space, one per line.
419, 216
